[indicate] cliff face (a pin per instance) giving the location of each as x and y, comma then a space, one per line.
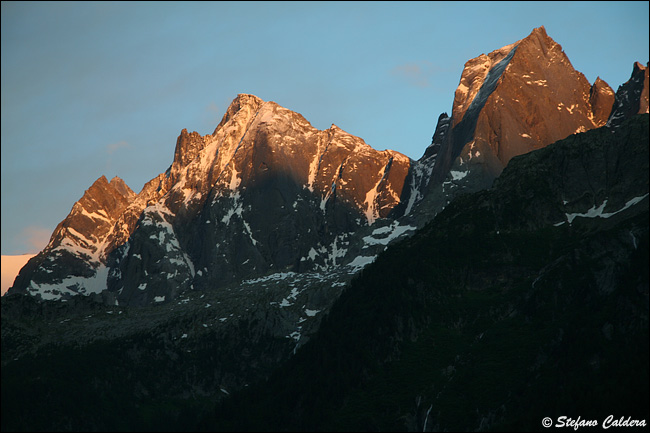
516, 99
601, 99
631, 96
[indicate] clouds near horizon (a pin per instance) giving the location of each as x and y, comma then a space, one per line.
11, 266
33, 238
416, 74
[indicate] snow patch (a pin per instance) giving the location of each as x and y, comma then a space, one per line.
235, 180
538, 83
598, 212
273, 277
71, 286
285, 303
361, 261
421, 176
99, 215
370, 203
392, 231
458, 175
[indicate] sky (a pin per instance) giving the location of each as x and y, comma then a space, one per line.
104, 88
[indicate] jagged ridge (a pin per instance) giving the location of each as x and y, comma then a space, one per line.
250, 192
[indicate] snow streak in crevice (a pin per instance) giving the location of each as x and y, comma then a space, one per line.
463, 132
371, 196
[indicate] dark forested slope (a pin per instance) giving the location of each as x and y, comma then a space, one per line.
525, 301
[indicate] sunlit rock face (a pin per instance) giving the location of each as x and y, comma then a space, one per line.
72, 263
601, 98
519, 98
257, 141
265, 191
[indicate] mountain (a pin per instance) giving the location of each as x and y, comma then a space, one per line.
514, 303
524, 301
71, 263
532, 76
511, 101
261, 237
266, 191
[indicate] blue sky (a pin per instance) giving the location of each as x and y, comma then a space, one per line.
104, 88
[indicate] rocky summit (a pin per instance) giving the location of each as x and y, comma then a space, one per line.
519, 98
72, 262
270, 255
631, 96
532, 76
266, 191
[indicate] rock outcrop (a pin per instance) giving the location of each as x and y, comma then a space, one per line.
631, 96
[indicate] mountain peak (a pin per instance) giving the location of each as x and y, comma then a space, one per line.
542, 43
248, 98
476, 70
539, 32
242, 101
188, 145
102, 186
516, 99
474, 75
601, 98
95, 211
101, 180
121, 187
599, 81
631, 96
